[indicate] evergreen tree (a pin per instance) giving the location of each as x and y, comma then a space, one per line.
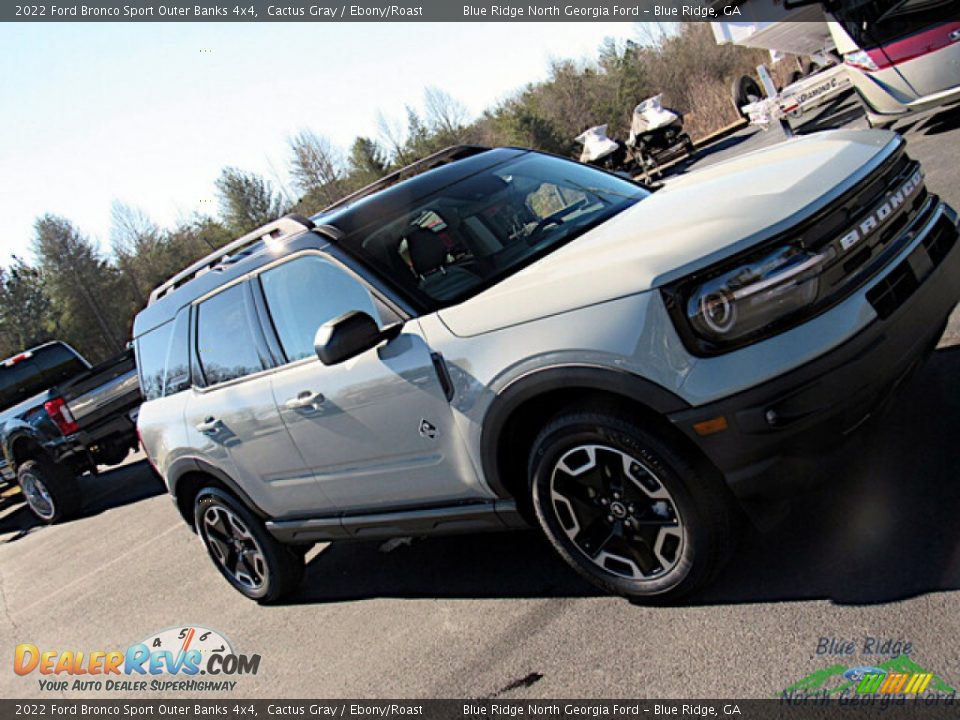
91, 309
25, 309
247, 200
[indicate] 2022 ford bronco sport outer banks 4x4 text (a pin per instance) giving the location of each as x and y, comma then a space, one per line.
509, 334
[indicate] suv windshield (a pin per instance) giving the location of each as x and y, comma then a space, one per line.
34, 371
872, 23
469, 235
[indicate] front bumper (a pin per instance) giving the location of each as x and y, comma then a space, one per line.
815, 406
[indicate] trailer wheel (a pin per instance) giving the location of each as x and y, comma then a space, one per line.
745, 90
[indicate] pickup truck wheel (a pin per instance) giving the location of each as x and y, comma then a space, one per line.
51, 490
251, 559
626, 511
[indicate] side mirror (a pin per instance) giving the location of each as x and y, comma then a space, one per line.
349, 335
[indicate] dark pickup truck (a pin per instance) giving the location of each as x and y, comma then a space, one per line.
61, 418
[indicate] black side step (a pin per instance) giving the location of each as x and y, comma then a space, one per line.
495, 516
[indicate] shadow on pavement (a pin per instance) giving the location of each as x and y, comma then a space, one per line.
110, 489
883, 526
880, 528
498, 565
835, 114
941, 122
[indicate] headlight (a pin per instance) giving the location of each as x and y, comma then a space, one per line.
754, 295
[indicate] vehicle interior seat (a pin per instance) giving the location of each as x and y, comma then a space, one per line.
428, 255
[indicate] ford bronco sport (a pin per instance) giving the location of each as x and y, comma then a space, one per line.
499, 336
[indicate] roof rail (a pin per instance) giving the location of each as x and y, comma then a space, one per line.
441, 157
284, 227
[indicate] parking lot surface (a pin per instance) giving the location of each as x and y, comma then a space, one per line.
873, 554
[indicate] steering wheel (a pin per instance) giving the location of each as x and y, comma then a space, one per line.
541, 226
554, 219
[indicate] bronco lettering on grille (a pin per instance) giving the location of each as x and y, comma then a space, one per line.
880, 214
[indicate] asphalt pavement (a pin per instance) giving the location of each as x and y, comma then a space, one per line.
873, 554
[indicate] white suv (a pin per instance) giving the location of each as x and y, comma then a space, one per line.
501, 336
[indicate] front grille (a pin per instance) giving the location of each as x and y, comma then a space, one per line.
846, 212
901, 282
854, 265
882, 215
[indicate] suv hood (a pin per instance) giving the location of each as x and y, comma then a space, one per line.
693, 222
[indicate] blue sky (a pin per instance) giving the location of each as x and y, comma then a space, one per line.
148, 114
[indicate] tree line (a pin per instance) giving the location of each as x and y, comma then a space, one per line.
71, 290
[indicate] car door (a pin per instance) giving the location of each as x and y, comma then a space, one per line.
376, 430
231, 417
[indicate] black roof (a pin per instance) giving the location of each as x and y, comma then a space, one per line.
347, 216
395, 199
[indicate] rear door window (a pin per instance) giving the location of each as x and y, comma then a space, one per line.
177, 367
151, 353
226, 343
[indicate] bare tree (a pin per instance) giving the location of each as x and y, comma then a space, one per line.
134, 237
652, 34
316, 162
445, 114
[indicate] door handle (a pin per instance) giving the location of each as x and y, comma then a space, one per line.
209, 425
304, 400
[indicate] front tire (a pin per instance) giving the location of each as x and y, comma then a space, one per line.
51, 491
625, 510
251, 560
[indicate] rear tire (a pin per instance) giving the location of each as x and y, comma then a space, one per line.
51, 491
625, 510
249, 557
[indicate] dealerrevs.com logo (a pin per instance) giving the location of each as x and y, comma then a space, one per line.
184, 659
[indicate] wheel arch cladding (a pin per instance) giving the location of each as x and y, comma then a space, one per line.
521, 410
23, 448
187, 484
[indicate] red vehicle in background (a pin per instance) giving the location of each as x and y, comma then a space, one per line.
903, 55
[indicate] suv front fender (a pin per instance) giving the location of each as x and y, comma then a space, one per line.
183, 487
555, 382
